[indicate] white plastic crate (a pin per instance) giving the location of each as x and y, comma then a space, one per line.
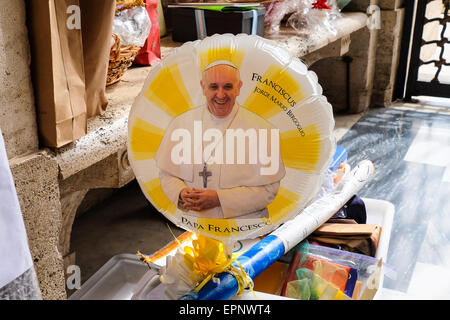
124, 275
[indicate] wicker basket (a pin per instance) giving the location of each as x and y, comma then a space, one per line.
120, 59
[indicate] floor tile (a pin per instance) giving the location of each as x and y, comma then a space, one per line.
409, 178
430, 282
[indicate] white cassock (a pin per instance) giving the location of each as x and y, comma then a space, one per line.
242, 190
15, 257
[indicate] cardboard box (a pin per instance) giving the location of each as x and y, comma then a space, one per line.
191, 24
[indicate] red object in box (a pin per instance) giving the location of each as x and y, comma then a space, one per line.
151, 51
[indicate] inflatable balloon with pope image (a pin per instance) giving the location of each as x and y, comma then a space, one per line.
230, 136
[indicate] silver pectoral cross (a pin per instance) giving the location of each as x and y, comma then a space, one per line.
205, 174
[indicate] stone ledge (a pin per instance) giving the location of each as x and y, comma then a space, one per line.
299, 46
107, 133
36, 180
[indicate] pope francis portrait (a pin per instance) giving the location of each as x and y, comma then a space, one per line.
220, 160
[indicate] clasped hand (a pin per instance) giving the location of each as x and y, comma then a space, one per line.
199, 200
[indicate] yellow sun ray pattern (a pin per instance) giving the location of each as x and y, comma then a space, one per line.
301, 152
221, 53
168, 92
284, 202
275, 91
219, 227
171, 92
145, 139
155, 192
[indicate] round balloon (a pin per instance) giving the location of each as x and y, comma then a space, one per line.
230, 136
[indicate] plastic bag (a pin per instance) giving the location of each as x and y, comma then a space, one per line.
314, 17
327, 185
305, 16
276, 11
132, 26
317, 270
150, 53
335, 173
24, 287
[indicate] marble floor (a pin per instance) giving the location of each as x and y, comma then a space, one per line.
410, 147
409, 144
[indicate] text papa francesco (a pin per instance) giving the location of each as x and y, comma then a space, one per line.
220, 229
235, 139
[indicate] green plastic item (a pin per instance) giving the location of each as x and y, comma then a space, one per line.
298, 289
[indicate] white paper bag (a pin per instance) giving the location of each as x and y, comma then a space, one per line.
15, 257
